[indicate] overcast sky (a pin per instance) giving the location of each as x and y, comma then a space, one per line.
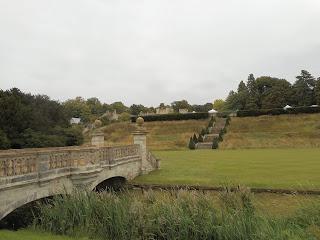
152, 51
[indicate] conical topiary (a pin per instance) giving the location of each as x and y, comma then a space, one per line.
192, 145
215, 143
195, 139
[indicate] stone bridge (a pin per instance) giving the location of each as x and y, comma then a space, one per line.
31, 174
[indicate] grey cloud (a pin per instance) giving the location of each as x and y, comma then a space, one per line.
151, 51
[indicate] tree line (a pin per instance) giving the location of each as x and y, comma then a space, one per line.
270, 92
29, 121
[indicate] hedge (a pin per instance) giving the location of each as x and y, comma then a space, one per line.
172, 117
277, 111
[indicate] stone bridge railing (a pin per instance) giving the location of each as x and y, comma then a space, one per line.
38, 164
27, 175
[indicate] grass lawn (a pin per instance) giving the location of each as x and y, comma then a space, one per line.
267, 168
31, 235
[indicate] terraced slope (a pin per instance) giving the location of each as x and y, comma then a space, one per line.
167, 135
284, 131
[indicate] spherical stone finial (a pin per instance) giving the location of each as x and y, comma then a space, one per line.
140, 121
97, 123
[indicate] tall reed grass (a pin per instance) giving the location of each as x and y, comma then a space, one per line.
172, 215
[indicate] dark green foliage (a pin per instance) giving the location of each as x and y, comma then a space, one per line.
137, 109
200, 138
317, 92
215, 143
192, 144
195, 139
172, 117
278, 111
4, 141
269, 93
34, 121
220, 138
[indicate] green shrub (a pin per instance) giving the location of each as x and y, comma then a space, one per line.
200, 138
192, 144
194, 138
215, 143
4, 141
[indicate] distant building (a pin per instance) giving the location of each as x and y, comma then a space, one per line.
164, 110
146, 113
111, 116
183, 110
75, 120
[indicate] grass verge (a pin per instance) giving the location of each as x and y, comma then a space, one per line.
267, 168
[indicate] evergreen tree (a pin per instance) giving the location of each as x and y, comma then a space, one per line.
303, 89
215, 143
195, 139
317, 92
192, 145
253, 100
242, 96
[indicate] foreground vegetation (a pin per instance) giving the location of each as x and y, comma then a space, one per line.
173, 215
32, 235
285, 131
268, 168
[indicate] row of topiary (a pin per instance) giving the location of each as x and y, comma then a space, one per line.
194, 140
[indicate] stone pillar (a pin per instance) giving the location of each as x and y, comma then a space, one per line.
140, 138
97, 138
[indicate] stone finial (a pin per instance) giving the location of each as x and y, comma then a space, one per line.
140, 121
97, 123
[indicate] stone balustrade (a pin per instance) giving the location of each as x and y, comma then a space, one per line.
29, 161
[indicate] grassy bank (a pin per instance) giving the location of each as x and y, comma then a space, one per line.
175, 215
172, 135
284, 131
268, 168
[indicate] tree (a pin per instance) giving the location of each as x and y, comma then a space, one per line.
31, 121
273, 92
202, 108
78, 108
183, 104
317, 92
242, 96
253, 100
191, 145
219, 105
137, 109
200, 138
203, 132
119, 107
4, 141
215, 143
95, 106
195, 139
303, 89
